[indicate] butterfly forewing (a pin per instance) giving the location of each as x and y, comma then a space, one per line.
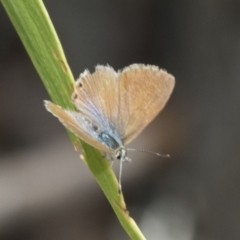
96, 95
143, 92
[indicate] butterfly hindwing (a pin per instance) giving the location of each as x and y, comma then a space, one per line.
79, 125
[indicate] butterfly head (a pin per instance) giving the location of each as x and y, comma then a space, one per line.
121, 154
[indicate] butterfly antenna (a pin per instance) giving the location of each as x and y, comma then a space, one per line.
146, 151
120, 177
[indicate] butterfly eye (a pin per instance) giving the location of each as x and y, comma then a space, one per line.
118, 155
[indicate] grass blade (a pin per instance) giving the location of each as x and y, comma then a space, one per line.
33, 24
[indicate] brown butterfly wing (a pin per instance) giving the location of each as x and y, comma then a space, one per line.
143, 91
96, 95
77, 124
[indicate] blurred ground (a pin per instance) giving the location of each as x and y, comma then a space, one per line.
46, 191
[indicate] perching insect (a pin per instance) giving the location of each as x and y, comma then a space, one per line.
114, 107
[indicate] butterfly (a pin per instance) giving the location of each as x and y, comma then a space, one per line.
114, 107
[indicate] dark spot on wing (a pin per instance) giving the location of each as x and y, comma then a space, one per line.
95, 128
74, 97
